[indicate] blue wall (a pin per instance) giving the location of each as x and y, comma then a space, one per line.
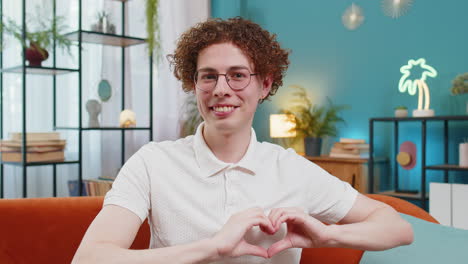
361, 67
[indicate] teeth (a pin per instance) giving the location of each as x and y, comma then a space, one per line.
223, 108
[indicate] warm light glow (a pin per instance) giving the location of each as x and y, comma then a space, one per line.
423, 89
418, 84
353, 17
281, 125
396, 8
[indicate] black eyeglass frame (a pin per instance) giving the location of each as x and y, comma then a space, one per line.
227, 80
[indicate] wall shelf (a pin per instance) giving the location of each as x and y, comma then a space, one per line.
448, 167
104, 128
405, 195
29, 164
39, 70
104, 38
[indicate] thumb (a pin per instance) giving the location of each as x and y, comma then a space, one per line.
278, 247
249, 249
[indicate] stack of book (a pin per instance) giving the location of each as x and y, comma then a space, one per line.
91, 187
40, 147
350, 148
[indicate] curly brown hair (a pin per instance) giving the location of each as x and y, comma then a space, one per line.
259, 45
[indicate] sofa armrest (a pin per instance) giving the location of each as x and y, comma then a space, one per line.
353, 256
49, 230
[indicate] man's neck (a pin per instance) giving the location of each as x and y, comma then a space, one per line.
230, 146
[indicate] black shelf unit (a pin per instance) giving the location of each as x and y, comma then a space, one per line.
422, 195
80, 37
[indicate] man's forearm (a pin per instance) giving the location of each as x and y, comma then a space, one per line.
383, 229
202, 251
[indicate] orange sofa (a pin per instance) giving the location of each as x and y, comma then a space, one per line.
49, 230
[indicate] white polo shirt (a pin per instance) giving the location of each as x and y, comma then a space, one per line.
188, 194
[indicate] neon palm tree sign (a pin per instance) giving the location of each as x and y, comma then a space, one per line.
418, 85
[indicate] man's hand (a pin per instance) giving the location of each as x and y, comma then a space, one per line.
303, 231
229, 241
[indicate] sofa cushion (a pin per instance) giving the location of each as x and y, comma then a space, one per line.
433, 243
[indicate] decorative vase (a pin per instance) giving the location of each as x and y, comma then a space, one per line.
98, 27
35, 55
313, 146
463, 155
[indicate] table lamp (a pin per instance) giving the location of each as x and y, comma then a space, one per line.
281, 125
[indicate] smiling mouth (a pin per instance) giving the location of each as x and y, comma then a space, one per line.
223, 109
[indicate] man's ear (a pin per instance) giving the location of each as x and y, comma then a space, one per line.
266, 85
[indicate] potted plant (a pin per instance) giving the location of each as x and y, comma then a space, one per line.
460, 86
103, 24
191, 117
152, 26
39, 41
313, 122
401, 111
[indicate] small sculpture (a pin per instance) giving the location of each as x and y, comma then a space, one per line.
127, 118
94, 109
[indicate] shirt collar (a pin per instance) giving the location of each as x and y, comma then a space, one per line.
210, 164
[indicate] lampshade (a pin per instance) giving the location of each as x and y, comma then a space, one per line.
280, 126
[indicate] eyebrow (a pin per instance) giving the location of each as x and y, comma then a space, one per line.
237, 67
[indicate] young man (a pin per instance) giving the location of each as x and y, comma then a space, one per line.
221, 196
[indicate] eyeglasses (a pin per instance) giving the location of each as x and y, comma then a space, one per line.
237, 79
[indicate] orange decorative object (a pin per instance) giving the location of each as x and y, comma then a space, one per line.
403, 158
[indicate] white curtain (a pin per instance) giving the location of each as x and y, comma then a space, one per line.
176, 16
101, 149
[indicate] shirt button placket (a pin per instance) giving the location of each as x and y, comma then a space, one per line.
229, 194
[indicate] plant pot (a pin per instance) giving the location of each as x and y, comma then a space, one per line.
35, 55
312, 146
401, 112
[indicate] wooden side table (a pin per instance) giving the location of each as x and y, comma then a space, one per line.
353, 171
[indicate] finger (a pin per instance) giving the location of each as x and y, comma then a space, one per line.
264, 223
278, 247
292, 218
249, 249
274, 215
278, 212
267, 230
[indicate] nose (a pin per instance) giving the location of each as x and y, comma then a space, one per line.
222, 87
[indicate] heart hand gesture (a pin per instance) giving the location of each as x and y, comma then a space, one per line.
229, 241
303, 231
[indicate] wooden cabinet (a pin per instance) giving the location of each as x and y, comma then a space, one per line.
353, 171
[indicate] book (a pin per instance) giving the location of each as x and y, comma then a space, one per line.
351, 156
97, 187
73, 188
352, 140
33, 143
35, 136
33, 157
335, 149
31, 149
343, 145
